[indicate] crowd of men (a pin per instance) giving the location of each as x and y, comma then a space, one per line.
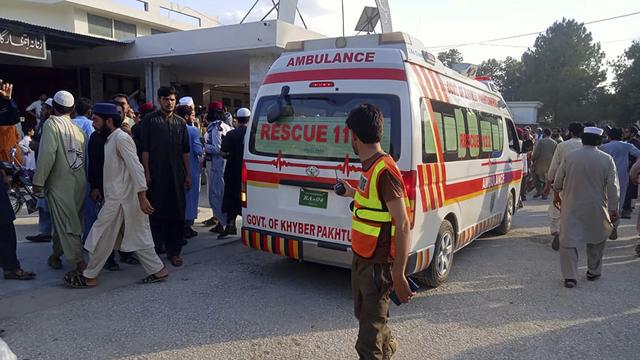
593, 173
108, 177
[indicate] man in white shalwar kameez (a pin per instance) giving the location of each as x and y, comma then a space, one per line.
125, 204
589, 205
562, 150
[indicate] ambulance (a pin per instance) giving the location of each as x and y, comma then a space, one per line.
452, 137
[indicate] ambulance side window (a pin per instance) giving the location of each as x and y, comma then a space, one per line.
474, 135
512, 136
428, 137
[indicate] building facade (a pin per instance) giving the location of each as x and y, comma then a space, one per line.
96, 49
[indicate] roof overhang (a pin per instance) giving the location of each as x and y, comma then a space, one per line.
59, 40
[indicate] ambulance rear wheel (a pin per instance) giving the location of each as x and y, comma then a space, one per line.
507, 218
438, 271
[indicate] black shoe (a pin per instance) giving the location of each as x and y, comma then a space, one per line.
229, 230
638, 249
570, 283
128, 258
614, 234
39, 238
217, 229
592, 277
555, 244
112, 266
626, 214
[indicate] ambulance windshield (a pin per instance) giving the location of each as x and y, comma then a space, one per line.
317, 130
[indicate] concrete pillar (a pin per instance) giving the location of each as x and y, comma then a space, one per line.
152, 81
258, 67
96, 84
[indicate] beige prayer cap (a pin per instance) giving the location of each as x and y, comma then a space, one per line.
593, 130
64, 98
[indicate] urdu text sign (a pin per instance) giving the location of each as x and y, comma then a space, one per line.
23, 44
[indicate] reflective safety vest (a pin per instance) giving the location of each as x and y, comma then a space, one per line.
369, 214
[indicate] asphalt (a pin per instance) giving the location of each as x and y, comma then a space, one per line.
504, 300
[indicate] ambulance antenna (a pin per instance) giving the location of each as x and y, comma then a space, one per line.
342, 18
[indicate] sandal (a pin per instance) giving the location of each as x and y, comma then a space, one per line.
19, 274
54, 262
176, 261
210, 222
153, 279
76, 280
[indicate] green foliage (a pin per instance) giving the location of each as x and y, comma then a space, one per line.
627, 84
450, 57
564, 71
506, 74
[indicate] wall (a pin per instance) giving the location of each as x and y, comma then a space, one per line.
54, 16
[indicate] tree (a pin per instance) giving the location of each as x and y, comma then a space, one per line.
505, 74
564, 71
450, 57
627, 84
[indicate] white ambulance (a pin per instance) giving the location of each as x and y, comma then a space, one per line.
451, 136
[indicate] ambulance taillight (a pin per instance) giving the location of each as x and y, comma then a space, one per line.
243, 188
410, 179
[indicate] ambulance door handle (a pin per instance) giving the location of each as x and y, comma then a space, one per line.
307, 184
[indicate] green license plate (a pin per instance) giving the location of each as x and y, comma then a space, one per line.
312, 198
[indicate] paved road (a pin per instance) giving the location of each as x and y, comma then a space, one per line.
504, 300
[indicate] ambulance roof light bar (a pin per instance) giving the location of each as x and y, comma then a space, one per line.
397, 37
294, 46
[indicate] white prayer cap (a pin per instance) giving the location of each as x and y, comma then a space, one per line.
187, 100
593, 130
49, 102
64, 98
243, 112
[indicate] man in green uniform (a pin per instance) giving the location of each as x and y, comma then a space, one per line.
60, 171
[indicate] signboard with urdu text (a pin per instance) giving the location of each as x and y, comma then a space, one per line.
23, 44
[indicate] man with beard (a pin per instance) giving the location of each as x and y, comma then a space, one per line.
60, 171
165, 156
125, 204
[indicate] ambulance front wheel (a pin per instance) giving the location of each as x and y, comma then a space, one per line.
438, 271
507, 218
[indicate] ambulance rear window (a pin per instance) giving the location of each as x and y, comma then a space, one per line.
317, 129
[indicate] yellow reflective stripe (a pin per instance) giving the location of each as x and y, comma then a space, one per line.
393, 230
365, 228
373, 202
372, 215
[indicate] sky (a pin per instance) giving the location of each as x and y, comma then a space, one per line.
449, 22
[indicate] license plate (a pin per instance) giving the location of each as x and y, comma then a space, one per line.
312, 198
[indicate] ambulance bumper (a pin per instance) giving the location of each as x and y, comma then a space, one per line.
301, 249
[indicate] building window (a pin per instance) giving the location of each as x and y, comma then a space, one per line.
123, 30
106, 27
100, 26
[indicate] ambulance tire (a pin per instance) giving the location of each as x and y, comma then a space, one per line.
507, 218
438, 271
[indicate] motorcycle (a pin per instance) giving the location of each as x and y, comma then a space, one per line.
20, 191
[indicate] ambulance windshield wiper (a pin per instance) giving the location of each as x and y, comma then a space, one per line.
282, 107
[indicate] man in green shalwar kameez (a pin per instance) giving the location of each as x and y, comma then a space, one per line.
60, 171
